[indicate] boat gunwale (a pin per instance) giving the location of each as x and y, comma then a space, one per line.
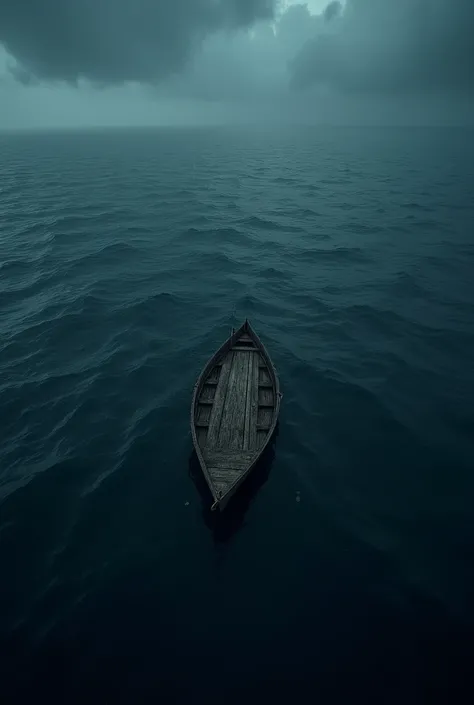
221, 352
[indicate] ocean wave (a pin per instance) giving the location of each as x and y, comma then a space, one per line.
109, 255
123, 267
273, 273
333, 255
256, 222
17, 268
407, 286
213, 236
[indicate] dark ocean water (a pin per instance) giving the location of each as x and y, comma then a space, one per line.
345, 570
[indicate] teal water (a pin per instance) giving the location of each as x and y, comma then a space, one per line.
344, 571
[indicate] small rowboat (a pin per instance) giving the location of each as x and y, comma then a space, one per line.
234, 412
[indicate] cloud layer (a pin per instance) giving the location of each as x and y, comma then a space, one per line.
352, 48
391, 46
113, 41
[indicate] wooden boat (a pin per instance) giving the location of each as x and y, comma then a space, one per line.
234, 412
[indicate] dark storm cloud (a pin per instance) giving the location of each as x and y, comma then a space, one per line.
113, 41
392, 46
332, 10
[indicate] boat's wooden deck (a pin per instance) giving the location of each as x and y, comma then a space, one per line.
234, 412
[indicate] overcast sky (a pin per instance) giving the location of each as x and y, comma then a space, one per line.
152, 62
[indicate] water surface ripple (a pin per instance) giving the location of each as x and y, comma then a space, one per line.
346, 569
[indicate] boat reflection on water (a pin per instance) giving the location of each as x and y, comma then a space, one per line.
226, 523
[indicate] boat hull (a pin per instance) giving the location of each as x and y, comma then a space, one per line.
234, 412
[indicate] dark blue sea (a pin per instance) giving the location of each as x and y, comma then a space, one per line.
344, 571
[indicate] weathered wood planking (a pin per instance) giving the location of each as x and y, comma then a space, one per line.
214, 376
204, 413
238, 461
261, 439
218, 406
245, 439
222, 488
265, 396
234, 412
250, 441
207, 394
224, 475
231, 434
264, 417
201, 435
